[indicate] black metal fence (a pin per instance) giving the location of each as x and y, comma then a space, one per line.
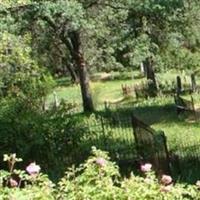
112, 134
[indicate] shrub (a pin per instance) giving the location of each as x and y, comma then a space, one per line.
51, 138
18, 184
97, 179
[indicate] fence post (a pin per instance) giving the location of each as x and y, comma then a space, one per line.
142, 69
179, 85
56, 101
166, 165
193, 81
106, 107
103, 131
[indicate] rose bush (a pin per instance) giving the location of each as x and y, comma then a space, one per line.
97, 179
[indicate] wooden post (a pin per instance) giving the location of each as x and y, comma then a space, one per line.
178, 85
44, 105
106, 105
56, 102
143, 69
193, 82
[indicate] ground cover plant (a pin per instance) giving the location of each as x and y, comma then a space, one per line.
97, 178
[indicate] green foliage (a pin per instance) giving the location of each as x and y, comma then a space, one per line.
113, 34
51, 137
21, 77
98, 178
25, 127
17, 184
96, 181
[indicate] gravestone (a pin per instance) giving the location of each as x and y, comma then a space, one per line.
152, 86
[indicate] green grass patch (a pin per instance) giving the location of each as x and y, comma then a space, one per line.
182, 133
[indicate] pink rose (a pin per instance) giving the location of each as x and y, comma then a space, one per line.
166, 180
33, 169
101, 162
13, 183
146, 167
166, 188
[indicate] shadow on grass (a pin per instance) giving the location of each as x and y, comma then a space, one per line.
113, 133
185, 168
149, 114
122, 152
185, 161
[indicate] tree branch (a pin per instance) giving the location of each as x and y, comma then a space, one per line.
17, 8
48, 20
97, 2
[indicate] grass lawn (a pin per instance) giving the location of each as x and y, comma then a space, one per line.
109, 90
183, 133
159, 112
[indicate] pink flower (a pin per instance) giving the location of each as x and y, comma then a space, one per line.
101, 162
146, 167
33, 169
13, 183
166, 180
166, 188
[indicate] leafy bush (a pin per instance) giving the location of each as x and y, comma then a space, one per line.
21, 76
50, 137
24, 185
26, 127
97, 179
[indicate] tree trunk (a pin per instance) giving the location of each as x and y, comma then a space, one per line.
82, 70
152, 86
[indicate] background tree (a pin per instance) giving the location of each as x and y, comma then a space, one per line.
78, 36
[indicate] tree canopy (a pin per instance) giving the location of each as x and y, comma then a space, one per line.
77, 37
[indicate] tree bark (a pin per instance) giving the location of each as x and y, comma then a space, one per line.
82, 70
